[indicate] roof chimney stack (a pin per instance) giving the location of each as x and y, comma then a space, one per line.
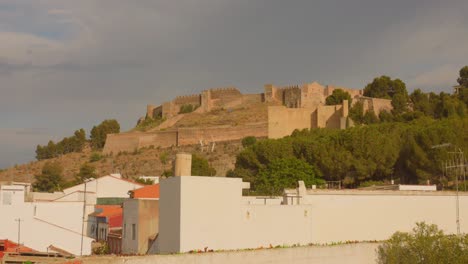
183, 164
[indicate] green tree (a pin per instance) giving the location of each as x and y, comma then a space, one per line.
385, 87
463, 78
337, 97
285, 173
421, 102
50, 179
356, 113
385, 116
426, 244
200, 166
99, 133
370, 117
86, 171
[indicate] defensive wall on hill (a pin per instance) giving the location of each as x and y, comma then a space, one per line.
282, 121
290, 107
116, 143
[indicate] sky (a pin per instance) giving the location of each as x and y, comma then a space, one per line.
67, 64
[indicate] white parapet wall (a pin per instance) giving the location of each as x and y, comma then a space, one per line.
376, 215
209, 212
198, 213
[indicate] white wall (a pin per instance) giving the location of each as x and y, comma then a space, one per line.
213, 214
106, 186
39, 234
265, 225
11, 194
64, 214
367, 216
210, 212
361, 253
199, 212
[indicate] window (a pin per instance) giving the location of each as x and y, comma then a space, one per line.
6, 198
133, 231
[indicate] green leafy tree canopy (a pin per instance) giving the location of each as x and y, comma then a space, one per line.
337, 97
86, 171
99, 133
285, 173
201, 167
50, 179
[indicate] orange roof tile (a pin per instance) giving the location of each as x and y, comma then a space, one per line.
149, 191
108, 210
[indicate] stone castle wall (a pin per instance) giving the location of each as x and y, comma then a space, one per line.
376, 104
129, 142
312, 95
194, 99
190, 136
220, 93
302, 107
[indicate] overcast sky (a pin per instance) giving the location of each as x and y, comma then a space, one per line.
69, 64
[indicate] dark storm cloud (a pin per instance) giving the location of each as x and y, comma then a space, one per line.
66, 65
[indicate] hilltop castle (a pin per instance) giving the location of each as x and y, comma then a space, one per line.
288, 108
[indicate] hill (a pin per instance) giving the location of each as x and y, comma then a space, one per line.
145, 161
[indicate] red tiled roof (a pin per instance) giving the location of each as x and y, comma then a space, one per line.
149, 191
108, 210
10, 246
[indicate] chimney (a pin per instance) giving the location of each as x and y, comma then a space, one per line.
183, 164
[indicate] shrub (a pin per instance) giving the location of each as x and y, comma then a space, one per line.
249, 141
425, 244
95, 156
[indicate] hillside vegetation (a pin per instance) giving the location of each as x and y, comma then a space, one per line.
142, 162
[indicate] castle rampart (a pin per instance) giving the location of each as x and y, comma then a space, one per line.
302, 106
116, 143
194, 99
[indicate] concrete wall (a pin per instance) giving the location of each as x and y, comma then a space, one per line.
142, 217
170, 215
376, 215
130, 218
211, 213
283, 121
362, 253
265, 225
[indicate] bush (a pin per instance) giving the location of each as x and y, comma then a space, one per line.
425, 244
95, 156
201, 167
99, 133
249, 141
187, 108
163, 157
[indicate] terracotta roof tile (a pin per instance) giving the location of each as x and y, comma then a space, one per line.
149, 191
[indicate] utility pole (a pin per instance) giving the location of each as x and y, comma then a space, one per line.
457, 164
84, 212
19, 232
